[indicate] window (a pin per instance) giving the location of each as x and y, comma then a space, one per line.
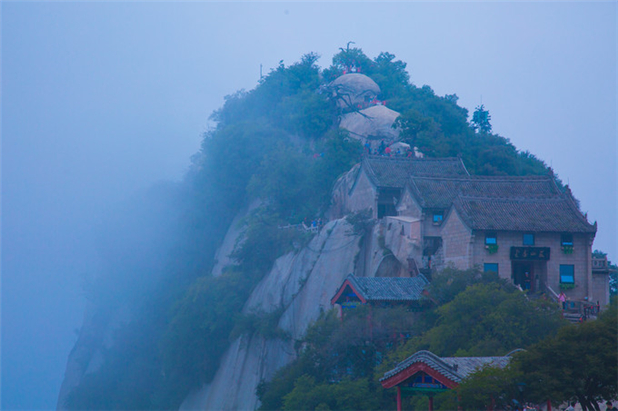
438, 216
491, 239
566, 240
567, 274
491, 267
528, 239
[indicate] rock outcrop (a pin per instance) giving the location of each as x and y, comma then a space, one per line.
353, 89
95, 337
300, 284
373, 123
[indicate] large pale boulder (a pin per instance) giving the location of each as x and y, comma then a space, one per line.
372, 123
353, 89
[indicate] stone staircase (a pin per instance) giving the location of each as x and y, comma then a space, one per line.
574, 318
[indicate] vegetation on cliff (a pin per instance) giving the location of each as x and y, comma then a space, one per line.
279, 144
477, 314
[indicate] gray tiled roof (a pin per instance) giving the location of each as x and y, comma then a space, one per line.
468, 365
389, 288
454, 368
435, 192
558, 214
395, 172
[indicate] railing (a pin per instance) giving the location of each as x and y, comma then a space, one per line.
522, 290
302, 227
552, 294
573, 308
584, 308
599, 263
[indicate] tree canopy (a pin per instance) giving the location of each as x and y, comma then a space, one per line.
578, 363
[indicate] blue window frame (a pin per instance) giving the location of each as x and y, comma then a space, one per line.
567, 274
491, 239
528, 239
491, 267
438, 216
566, 240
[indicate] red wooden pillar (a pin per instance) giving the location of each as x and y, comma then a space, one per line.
398, 398
548, 405
430, 403
370, 318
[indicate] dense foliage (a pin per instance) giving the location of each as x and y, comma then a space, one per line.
277, 146
476, 314
579, 363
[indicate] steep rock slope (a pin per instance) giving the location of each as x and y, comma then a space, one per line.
301, 284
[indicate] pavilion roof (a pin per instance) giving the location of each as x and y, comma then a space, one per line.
453, 368
385, 289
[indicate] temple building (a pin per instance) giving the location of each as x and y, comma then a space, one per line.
427, 374
527, 229
379, 182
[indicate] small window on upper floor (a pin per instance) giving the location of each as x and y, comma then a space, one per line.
438, 216
566, 240
491, 239
528, 239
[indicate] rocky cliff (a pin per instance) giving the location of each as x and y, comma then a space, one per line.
300, 285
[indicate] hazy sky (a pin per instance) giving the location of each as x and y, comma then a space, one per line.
100, 100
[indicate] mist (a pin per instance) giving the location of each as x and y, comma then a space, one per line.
103, 106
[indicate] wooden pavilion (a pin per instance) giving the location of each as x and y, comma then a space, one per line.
382, 291
425, 373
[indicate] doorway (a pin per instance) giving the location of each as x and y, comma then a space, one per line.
523, 275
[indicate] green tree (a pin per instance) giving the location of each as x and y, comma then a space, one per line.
484, 320
414, 127
491, 386
579, 363
345, 59
345, 395
480, 120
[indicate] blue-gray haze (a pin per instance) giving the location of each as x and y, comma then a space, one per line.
101, 100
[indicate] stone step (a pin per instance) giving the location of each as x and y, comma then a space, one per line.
572, 317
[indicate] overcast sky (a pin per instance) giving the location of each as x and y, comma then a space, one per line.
100, 100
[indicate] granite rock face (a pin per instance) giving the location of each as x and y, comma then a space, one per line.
301, 285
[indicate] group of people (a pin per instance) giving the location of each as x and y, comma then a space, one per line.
385, 150
588, 308
315, 223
